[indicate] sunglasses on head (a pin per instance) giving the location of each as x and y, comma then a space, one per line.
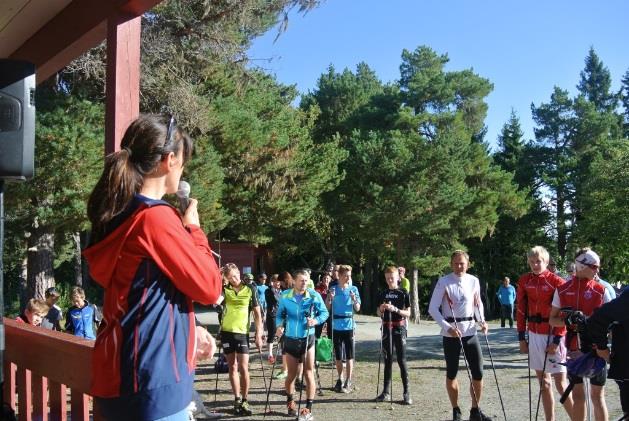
590, 265
169, 132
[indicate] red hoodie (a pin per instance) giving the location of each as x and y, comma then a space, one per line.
152, 268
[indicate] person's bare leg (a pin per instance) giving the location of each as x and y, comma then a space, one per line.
289, 382
478, 391
561, 383
243, 368
548, 400
598, 403
349, 366
578, 407
309, 374
234, 378
452, 386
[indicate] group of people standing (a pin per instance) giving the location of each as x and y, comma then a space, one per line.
295, 316
549, 333
154, 260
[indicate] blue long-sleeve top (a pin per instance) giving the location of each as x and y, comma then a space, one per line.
293, 310
506, 295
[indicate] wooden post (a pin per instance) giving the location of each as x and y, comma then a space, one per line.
40, 397
123, 77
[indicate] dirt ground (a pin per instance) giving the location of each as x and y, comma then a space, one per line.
427, 378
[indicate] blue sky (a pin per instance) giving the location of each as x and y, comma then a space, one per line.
524, 48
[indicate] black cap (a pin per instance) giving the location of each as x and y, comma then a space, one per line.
52, 291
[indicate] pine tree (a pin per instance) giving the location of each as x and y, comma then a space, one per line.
624, 98
595, 83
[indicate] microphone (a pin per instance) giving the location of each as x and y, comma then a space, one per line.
183, 194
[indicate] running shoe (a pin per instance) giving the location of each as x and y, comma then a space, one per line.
456, 414
291, 408
348, 387
477, 415
305, 415
338, 387
383, 397
280, 376
407, 400
244, 409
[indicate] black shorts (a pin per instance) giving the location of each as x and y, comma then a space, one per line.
270, 328
234, 342
598, 380
296, 347
343, 344
452, 352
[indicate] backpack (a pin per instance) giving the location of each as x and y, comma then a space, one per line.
220, 365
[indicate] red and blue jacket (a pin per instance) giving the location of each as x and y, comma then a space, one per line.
152, 268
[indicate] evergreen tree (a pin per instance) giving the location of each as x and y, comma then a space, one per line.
502, 252
595, 83
555, 160
624, 98
604, 226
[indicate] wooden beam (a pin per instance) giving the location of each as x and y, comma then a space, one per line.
73, 31
123, 78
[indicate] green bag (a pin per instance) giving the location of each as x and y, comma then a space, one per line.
323, 350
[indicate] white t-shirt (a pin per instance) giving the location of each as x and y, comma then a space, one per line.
464, 294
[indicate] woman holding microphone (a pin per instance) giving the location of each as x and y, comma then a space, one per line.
152, 262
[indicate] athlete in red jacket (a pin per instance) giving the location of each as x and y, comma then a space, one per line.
582, 293
545, 345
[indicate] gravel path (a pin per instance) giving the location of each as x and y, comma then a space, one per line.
427, 378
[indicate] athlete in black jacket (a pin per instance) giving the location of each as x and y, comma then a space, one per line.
613, 313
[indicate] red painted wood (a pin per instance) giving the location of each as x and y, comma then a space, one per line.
10, 383
80, 408
123, 78
73, 31
58, 399
40, 397
40, 350
24, 392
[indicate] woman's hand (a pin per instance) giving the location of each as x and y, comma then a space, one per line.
191, 216
206, 345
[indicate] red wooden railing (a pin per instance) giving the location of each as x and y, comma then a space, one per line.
40, 366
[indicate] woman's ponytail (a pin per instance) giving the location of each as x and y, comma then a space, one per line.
118, 183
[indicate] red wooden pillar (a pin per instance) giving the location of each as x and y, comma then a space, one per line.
123, 77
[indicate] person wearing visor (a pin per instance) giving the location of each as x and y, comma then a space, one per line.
583, 294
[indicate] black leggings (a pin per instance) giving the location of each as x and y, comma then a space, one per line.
452, 351
399, 342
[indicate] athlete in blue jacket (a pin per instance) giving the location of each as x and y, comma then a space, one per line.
299, 310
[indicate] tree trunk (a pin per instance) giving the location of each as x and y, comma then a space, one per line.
78, 269
415, 312
23, 284
40, 263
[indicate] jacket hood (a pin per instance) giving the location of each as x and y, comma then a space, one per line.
102, 257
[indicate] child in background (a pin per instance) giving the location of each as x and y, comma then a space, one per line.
34, 312
81, 316
52, 320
